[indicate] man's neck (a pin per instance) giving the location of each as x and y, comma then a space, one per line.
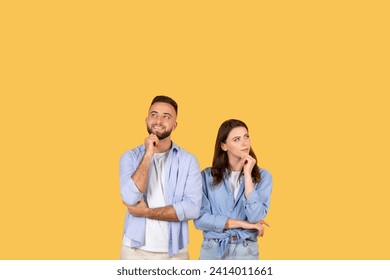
164, 145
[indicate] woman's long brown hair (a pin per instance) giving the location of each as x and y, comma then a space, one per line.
221, 160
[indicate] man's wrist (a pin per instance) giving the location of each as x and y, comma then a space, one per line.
148, 155
147, 213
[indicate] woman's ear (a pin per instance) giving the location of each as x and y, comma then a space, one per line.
223, 146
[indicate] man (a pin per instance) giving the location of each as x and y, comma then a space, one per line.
161, 186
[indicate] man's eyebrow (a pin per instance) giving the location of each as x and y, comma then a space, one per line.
155, 112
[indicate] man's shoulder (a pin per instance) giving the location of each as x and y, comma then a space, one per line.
183, 152
135, 152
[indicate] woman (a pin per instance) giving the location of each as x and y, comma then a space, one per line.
236, 196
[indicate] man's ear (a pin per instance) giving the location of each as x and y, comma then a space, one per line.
174, 126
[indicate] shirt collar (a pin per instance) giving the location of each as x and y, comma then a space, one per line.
173, 147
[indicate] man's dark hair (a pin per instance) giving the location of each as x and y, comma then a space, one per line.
165, 99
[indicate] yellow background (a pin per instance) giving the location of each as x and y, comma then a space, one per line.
310, 78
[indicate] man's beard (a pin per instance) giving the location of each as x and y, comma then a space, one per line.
160, 136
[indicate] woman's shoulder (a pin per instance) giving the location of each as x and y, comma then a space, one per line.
207, 171
264, 172
265, 175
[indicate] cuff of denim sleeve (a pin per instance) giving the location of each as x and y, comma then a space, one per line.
130, 193
219, 223
253, 198
179, 211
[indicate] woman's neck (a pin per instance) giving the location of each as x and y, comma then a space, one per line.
235, 164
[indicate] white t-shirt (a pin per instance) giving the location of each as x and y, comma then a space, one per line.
156, 233
235, 182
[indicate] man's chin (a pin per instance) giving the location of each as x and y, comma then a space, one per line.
162, 136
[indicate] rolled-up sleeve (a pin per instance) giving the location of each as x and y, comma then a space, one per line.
187, 206
129, 192
257, 204
206, 220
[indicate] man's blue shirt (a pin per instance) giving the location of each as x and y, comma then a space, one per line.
182, 190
